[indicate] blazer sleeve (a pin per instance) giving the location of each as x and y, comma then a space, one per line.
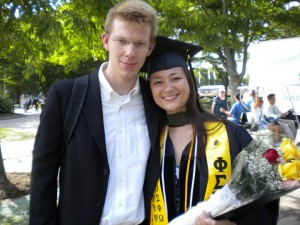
46, 156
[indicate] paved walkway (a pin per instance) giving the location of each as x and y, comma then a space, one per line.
17, 155
17, 158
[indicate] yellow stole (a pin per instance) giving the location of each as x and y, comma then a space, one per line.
219, 169
218, 157
158, 214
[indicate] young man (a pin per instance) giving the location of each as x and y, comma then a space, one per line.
273, 111
236, 110
258, 116
219, 102
105, 172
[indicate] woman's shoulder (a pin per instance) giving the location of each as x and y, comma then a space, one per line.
239, 134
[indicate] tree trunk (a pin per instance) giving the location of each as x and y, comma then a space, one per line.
233, 84
3, 177
235, 77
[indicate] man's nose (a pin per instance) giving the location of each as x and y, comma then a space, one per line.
130, 49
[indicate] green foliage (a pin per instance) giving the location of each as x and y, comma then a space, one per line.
42, 41
6, 105
225, 29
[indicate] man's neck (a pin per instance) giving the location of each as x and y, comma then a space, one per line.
120, 86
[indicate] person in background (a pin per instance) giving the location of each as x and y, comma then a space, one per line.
219, 102
105, 171
260, 122
36, 103
251, 98
192, 141
273, 111
236, 110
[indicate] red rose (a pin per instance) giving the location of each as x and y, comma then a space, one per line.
271, 155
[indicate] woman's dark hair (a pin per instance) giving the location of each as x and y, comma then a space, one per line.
198, 115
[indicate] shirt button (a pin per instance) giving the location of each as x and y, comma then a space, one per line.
105, 171
100, 206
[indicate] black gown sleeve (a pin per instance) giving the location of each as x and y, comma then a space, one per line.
262, 214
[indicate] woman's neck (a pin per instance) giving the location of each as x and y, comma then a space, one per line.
181, 137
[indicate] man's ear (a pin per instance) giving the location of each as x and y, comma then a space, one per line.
151, 47
105, 39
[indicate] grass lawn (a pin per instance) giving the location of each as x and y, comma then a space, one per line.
9, 135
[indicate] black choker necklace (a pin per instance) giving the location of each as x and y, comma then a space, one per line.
178, 119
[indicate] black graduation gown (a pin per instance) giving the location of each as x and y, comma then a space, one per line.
238, 139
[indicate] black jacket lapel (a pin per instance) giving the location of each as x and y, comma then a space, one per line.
93, 112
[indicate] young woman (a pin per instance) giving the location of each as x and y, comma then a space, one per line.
197, 147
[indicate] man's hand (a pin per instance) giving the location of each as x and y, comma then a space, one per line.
204, 220
222, 110
284, 114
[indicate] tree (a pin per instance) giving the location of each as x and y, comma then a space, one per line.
3, 177
226, 28
40, 38
43, 41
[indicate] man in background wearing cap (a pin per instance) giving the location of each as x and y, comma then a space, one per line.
219, 102
102, 171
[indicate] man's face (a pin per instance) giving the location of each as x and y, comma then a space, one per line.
272, 100
222, 93
128, 45
261, 101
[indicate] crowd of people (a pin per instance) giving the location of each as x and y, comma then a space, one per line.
28, 102
265, 116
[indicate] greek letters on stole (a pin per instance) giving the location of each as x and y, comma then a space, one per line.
218, 157
158, 214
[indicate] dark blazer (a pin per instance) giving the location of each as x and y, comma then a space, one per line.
83, 168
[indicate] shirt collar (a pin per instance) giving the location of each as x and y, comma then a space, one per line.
106, 90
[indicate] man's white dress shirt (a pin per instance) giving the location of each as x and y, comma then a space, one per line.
128, 146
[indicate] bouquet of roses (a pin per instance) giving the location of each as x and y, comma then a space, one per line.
256, 172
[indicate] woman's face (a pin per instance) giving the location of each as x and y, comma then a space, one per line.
170, 89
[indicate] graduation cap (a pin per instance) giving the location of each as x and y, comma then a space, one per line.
169, 53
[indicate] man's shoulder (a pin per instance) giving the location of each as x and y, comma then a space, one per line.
236, 105
64, 82
276, 106
68, 82
216, 98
